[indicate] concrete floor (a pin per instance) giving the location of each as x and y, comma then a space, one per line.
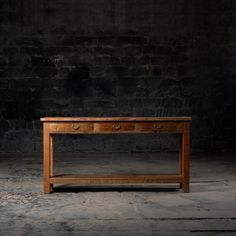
209, 209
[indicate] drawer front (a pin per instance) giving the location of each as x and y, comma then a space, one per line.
71, 127
114, 127
159, 127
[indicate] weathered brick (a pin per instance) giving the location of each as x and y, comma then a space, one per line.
129, 60
4, 84
139, 71
31, 50
150, 49
132, 50
86, 40
40, 61
145, 60
99, 103
44, 71
133, 40
106, 40
106, 60
117, 70
3, 61
105, 50
156, 70
3, 72
104, 87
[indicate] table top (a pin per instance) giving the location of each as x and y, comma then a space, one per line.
104, 119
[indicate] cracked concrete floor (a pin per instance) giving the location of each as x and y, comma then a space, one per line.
209, 209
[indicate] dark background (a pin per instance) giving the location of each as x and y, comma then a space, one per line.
117, 58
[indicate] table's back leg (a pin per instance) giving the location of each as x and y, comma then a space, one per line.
47, 165
51, 155
185, 158
180, 158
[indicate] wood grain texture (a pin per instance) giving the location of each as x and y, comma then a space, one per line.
92, 119
47, 168
71, 127
103, 127
181, 157
51, 155
185, 158
116, 178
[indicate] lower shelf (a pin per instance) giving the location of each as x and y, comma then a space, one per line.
115, 178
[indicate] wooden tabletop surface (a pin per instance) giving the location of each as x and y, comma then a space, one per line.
97, 119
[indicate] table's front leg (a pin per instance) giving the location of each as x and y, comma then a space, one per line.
47, 158
184, 168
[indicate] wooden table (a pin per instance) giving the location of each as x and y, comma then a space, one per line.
115, 125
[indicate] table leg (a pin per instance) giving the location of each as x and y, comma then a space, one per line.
185, 158
47, 158
181, 158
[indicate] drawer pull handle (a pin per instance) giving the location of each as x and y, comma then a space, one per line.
75, 126
157, 126
116, 126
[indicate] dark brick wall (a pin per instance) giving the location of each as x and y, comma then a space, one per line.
117, 58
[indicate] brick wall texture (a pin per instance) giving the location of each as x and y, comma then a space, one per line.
117, 58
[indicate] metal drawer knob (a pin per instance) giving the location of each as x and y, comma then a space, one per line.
156, 126
75, 126
116, 126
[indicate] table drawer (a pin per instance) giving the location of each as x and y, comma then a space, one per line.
71, 127
159, 127
114, 127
